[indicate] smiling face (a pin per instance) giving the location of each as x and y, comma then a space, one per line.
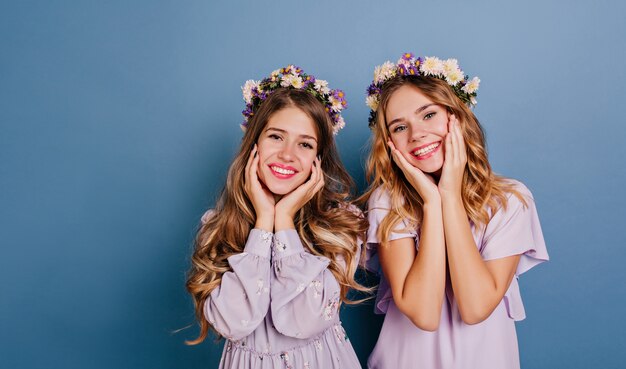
287, 147
417, 127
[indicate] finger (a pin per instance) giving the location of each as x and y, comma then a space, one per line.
254, 170
397, 156
448, 146
250, 159
461, 142
453, 141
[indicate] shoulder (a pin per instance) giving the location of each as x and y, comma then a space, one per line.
516, 195
380, 198
519, 202
519, 187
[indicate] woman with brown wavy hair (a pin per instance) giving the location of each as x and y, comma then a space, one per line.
275, 258
449, 235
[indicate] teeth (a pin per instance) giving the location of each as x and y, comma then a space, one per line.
282, 171
426, 149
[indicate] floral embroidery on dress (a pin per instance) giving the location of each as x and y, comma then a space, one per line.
317, 292
244, 322
279, 246
340, 333
259, 284
318, 345
331, 308
285, 357
266, 236
306, 365
300, 287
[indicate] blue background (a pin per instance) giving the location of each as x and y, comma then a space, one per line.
118, 120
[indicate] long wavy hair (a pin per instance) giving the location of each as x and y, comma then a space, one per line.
482, 191
328, 225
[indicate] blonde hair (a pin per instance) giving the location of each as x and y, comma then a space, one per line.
327, 225
482, 190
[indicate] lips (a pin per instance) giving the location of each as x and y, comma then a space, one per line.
426, 151
282, 171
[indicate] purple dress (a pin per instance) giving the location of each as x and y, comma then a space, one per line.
456, 345
279, 308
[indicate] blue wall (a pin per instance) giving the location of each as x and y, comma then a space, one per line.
118, 120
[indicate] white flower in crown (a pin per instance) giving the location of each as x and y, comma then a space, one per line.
450, 65
247, 90
335, 104
432, 66
321, 86
297, 82
384, 72
454, 76
274, 75
472, 85
339, 125
291, 80
473, 101
372, 102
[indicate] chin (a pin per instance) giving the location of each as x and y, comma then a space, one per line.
430, 168
281, 187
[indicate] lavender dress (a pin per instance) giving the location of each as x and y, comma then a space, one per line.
279, 308
456, 345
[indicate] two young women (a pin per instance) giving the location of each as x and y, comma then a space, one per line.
275, 258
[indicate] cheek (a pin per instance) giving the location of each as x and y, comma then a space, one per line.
307, 163
399, 141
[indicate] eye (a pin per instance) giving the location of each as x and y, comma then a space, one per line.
274, 136
307, 145
398, 128
429, 115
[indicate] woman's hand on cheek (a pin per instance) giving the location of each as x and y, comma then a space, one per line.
291, 203
262, 199
423, 183
455, 161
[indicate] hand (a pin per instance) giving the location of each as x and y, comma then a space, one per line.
423, 183
262, 199
455, 161
291, 203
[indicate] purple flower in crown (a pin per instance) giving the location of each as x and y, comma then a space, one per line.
408, 56
293, 77
373, 89
309, 80
431, 67
402, 70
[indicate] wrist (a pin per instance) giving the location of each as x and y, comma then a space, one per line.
283, 221
265, 223
449, 197
432, 203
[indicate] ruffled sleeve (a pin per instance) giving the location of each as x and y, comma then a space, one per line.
304, 294
378, 208
240, 303
515, 231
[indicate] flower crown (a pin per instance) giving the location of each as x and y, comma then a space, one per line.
408, 65
255, 92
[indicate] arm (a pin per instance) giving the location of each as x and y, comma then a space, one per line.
240, 303
478, 285
304, 294
418, 279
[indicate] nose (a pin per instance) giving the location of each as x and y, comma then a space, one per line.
418, 132
286, 152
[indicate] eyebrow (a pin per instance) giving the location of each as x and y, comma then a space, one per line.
285, 132
419, 110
